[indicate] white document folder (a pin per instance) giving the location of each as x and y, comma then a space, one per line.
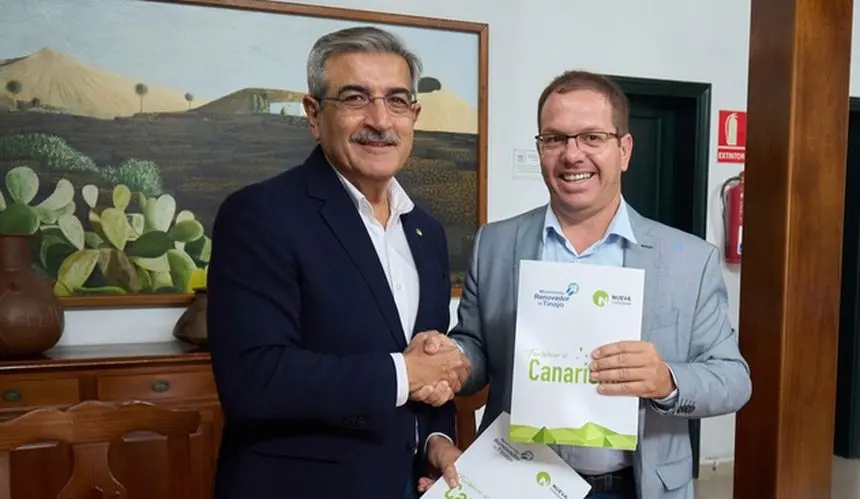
494, 467
564, 312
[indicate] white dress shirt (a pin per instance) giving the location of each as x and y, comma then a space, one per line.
396, 259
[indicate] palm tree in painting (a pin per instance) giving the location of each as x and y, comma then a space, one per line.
14, 87
141, 90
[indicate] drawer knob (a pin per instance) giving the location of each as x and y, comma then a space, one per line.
12, 395
161, 386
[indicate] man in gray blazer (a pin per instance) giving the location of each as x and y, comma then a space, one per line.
687, 365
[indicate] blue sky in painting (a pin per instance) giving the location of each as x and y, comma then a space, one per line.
208, 51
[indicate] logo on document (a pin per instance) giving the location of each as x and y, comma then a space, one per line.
543, 478
601, 298
456, 493
556, 299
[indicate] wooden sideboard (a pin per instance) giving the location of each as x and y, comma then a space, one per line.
170, 374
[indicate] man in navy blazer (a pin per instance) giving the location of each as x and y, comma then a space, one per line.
324, 283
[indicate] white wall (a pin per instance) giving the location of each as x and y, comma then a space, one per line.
693, 40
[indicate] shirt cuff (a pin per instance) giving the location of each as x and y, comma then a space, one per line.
668, 401
436, 434
402, 379
462, 350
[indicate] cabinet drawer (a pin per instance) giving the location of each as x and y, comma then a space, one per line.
157, 386
21, 393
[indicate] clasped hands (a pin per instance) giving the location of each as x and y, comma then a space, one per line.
436, 368
632, 368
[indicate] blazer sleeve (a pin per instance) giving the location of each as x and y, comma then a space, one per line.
253, 320
716, 379
468, 332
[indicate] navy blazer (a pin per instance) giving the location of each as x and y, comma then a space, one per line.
301, 324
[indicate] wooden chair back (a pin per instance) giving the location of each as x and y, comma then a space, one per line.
89, 428
465, 425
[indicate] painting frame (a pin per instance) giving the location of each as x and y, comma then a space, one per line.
479, 30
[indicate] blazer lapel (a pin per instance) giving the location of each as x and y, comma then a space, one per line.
645, 256
341, 215
415, 237
528, 243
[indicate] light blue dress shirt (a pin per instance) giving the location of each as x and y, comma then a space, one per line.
609, 250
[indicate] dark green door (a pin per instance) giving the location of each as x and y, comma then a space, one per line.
846, 439
647, 185
659, 182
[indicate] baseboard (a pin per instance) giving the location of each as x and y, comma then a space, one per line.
712, 467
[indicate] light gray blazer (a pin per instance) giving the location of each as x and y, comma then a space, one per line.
685, 316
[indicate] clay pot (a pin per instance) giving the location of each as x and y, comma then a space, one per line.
191, 326
31, 317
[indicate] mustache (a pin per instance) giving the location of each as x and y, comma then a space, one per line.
370, 136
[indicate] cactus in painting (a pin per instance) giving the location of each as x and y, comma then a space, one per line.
18, 217
133, 243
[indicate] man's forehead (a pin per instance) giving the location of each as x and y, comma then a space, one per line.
368, 69
580, 98
582, 107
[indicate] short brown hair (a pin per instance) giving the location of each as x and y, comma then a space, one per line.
583, 80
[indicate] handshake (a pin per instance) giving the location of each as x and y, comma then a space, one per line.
436, 368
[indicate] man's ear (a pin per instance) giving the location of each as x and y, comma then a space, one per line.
312, 111
626, 150
416, 112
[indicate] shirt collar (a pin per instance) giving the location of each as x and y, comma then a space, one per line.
399, 201
619, 226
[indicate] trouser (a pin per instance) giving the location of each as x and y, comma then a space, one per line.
411, 491
616, 485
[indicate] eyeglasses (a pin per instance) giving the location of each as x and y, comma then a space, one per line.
586, 141
398, 103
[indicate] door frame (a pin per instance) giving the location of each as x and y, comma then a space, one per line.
701, 93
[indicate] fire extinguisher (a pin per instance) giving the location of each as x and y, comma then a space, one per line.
732, 194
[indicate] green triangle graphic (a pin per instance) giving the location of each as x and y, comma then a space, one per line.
544, 436
589, 435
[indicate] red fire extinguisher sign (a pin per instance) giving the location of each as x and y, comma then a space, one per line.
732, 137
733, 217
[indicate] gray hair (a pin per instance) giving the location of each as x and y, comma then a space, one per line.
360, 39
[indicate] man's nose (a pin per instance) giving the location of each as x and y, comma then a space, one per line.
572, 151
377, 115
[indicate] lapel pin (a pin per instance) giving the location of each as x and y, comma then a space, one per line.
418, 231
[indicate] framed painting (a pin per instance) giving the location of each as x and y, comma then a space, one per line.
125, 123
